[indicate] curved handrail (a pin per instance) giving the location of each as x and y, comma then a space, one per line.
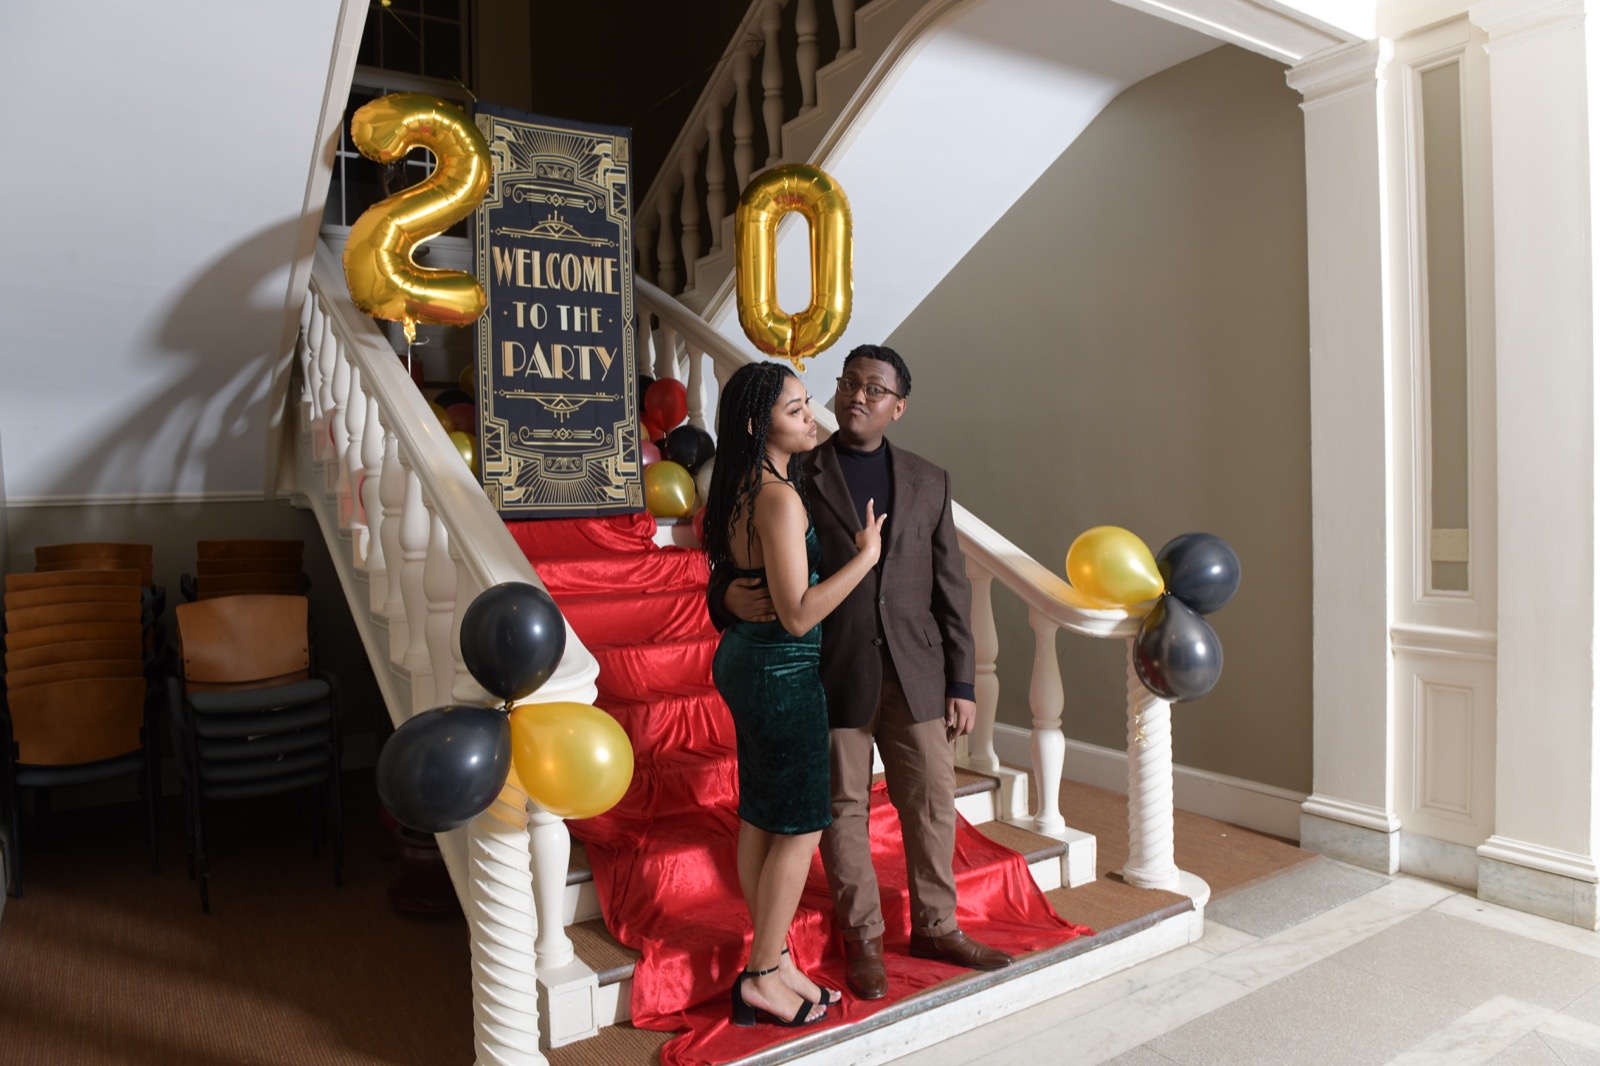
477, 534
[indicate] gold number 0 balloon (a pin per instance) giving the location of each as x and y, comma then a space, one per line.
806, 189
384, 281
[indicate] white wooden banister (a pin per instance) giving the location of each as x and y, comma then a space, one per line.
414, 539
729, 100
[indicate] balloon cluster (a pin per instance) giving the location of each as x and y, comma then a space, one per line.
458, 414
672, 451
1177, 654
444, 767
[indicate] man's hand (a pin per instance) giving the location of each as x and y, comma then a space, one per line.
959, 717
748, 600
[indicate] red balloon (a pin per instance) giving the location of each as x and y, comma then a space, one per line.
648, 430
648, 453
465, 416
666, 404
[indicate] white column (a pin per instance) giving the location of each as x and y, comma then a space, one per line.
1351, 812
1541, 76
1151, 861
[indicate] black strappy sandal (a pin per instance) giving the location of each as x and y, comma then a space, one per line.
742, 1013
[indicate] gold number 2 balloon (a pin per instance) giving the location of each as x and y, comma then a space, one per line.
770, 196
384, 280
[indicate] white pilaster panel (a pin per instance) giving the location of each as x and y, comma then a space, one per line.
1541, 83
1349, 247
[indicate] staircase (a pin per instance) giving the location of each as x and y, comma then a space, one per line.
414, 539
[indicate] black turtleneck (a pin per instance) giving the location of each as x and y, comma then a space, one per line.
869, 478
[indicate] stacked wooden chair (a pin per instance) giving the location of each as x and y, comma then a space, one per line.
234, 567
249, 718
82, 649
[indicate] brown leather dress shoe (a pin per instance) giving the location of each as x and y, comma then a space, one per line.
865, 972
960, 949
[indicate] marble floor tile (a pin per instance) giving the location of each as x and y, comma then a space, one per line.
1353, 968
1291, 898
1468, 963
1327, 1014
1477, 1036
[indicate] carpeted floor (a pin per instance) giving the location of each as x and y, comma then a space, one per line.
102, 962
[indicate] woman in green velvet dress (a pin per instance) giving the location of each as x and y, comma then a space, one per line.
757, 524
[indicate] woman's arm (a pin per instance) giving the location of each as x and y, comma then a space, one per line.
781, 524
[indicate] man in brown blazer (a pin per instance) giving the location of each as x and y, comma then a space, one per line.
897, 666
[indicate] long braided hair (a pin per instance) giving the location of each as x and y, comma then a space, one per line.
744, 414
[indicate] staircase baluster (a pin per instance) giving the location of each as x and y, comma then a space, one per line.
986, 645
1150, 842
689, 219
551, 845
439, 585
644, 231
500, 909
302, 349
465, 689
1045, 698
388, 602
337, 483
667, 355
696, 387
805, 27
327, 356
355, 421
666, 251
844, 16
716, 176
311, 367
772, 80
413, 553
744, 123
370, 551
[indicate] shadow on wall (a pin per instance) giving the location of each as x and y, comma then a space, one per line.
225, 330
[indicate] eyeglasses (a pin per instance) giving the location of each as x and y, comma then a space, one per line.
848, 386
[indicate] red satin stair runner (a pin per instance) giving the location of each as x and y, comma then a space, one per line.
664, 857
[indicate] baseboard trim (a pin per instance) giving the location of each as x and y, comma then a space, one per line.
1251, 804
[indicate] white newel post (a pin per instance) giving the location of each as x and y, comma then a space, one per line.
1046, 699
505, 995
1150, 842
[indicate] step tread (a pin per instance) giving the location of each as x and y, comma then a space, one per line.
967, 783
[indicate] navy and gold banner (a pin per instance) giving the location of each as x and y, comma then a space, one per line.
552, 247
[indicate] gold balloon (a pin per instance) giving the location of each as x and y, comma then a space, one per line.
573, 760
384, 280
468, 380
443, 416
468, 449
806, 189
1111, 565
668, 490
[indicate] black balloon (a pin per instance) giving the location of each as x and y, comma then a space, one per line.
1199, 569
512, 637
442, 768
1177, 654
645, 381
690, 447
447, 397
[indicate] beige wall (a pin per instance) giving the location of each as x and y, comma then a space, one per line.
173, 529
1128, 346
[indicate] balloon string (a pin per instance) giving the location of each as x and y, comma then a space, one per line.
389, 10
